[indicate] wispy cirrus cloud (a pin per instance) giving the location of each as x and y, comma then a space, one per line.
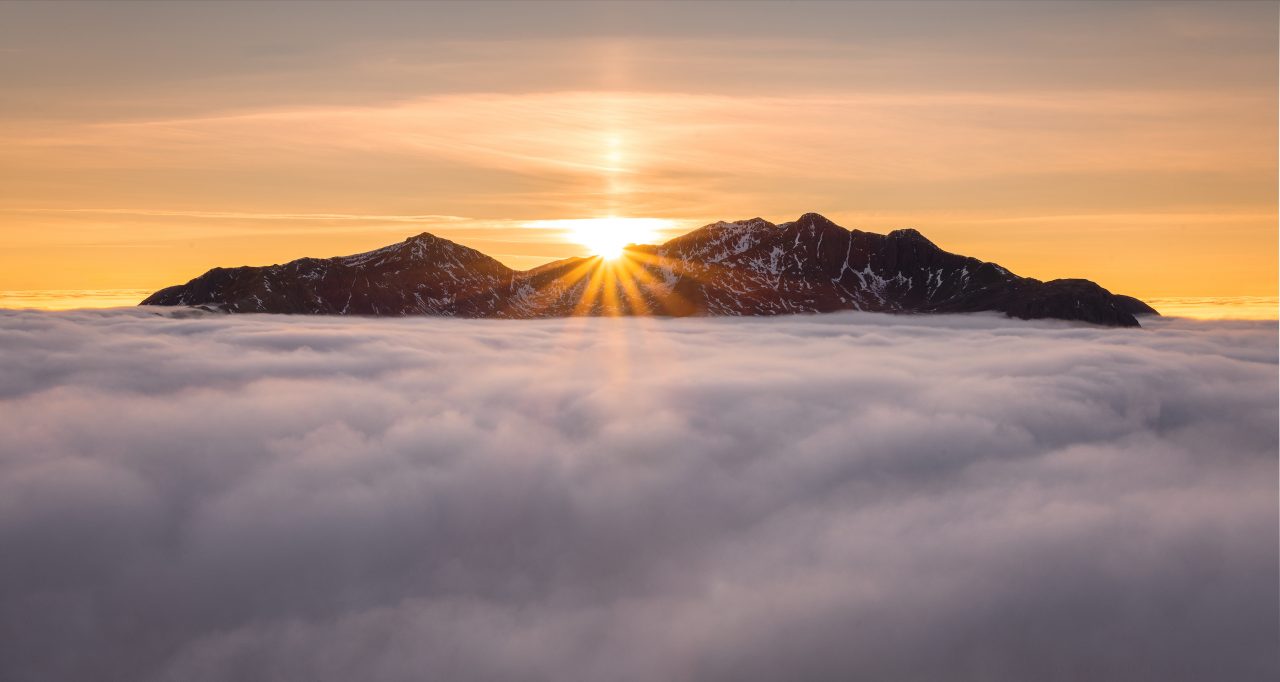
843, 137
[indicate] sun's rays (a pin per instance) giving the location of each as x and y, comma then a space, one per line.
628, 285
642, 281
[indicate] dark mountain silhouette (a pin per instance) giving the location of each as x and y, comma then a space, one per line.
748, 267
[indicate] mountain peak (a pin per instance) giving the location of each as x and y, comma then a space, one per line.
911, 234
813, 219
744, 267
748, 223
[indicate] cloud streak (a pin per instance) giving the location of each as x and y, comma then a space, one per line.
846, 496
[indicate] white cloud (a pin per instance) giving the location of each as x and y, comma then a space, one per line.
847, 496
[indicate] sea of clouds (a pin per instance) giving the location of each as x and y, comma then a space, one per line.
839, 497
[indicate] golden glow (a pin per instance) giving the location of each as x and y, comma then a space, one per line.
1218, 307
468, 173
72, 299
608, 237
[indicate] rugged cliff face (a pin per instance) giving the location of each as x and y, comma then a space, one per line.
748, 267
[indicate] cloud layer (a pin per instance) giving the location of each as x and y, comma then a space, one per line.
839, 497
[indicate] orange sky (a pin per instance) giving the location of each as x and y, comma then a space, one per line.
1131, 143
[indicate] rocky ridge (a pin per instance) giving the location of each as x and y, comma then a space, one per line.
746, 267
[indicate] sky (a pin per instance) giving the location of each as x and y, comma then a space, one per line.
1130, 143
851, 496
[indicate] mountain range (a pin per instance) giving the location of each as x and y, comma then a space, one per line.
745, 267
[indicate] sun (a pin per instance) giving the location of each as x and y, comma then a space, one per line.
602, 244
608, 237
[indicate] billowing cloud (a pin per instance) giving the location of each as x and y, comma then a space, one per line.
837, 497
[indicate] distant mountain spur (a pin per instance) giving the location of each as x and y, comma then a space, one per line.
748, 267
